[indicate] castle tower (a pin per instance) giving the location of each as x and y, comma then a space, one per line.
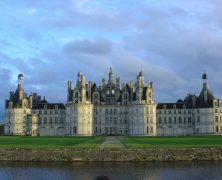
103, 83
83, 88
139, 88
206, 96
111, 80
16, 109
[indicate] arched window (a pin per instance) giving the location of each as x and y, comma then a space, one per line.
217, 129
216, 118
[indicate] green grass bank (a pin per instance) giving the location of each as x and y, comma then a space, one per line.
172, 142
96, 142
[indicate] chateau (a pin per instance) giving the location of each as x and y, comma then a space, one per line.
112, 109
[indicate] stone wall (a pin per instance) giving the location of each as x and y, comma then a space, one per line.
183, 154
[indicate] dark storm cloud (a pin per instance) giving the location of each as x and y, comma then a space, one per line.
86, 46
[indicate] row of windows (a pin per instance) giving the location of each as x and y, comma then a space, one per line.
50, 112
51, 120
45, 106
96, 96
149, 110
183, 111
170, 111
218, 129
111, 130
115, 121
218, 110
218, 119
171, 120
110, 111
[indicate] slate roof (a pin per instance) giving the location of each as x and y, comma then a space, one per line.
49, 106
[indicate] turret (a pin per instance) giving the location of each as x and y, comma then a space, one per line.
20, 89
69, 90
83, 88
205, 86
30, 101
206, 97
111, 80
139, 88
118, 83
103, 83
11, 95
90, 91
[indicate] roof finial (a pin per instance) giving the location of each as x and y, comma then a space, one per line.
110, 70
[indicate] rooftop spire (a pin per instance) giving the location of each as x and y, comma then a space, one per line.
111, 81
205, 80
110, 70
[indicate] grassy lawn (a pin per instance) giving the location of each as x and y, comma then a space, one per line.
95, 142
50, 142
172, 142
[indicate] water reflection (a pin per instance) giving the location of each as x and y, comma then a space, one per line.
85, 171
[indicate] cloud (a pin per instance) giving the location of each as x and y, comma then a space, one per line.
31, 11
86, 46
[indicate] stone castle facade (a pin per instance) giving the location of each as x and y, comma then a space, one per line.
112, 109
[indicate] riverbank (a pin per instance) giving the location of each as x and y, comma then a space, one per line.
114, 155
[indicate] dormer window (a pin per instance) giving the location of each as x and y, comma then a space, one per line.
215, 104
164, 106
174, 106
95, 96
56, 106
45, 106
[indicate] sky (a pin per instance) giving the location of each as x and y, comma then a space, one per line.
172, 41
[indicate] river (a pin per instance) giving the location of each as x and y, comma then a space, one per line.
89, 171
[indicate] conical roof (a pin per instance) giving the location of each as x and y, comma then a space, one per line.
206, 97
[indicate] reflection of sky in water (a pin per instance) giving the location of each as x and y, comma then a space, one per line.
85, 171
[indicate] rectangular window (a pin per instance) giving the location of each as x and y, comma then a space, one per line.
151, 130
151, 119
216, 118
160, 120
74, 129
61, 120
170, 120
45, 120
198, 119
165, 120
180, 121
189, 119
95, 120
